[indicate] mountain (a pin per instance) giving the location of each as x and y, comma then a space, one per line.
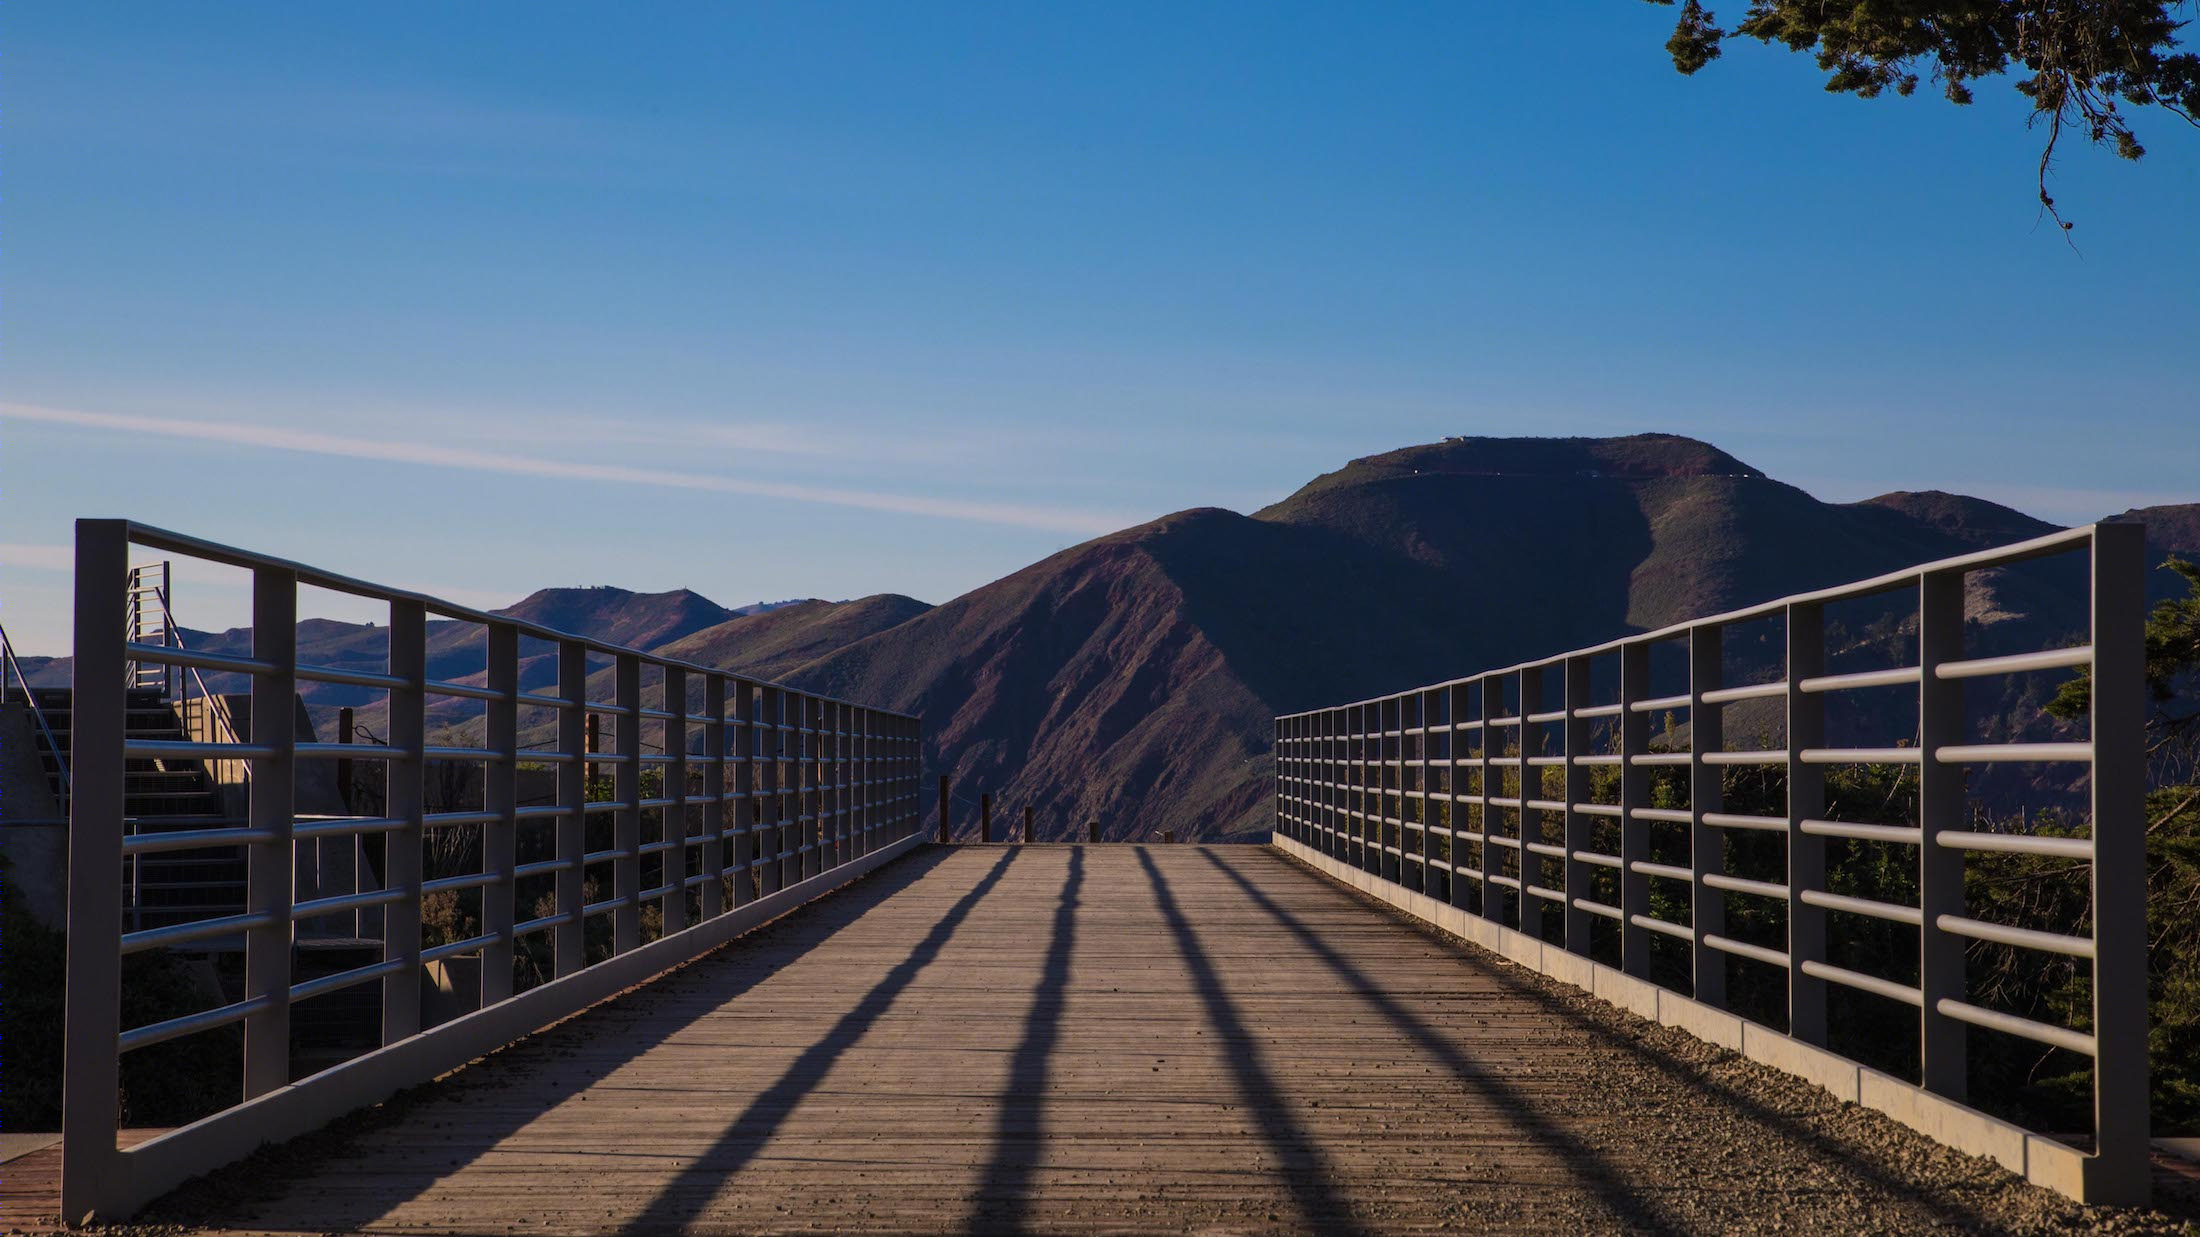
636, 620
771, 642
457, 652
1133, 679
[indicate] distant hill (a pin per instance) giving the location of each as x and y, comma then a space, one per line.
457, 652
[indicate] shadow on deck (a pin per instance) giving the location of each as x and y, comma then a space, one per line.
1117, 1037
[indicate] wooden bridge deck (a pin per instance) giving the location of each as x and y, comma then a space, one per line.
1125, 1038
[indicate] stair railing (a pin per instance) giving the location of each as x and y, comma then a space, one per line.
10, 668
151, 582
149, 625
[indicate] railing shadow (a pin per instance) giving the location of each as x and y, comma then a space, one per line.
529, 1079
1003, 1204
683, 1199
1306, 1171
1607, 1183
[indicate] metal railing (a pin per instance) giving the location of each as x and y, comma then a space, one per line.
11, 670
798, 793
204, 714
1526, 795
150, 624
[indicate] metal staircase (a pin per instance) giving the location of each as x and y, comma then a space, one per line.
160, 796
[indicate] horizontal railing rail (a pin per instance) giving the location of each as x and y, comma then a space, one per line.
1483, 794
762, 796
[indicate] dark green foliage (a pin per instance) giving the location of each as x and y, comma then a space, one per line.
2172, 661
2083, 63
31, 962
166, 1084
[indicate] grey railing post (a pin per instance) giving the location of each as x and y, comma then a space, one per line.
946, 827
1940, 804
1706, 793
1455, 813
271, 872
747, 811
2119, 704
809, 771
859, 755
1634, 792
714, 796
848, 728
626, 868
92, 1020
500, 795
1493, 705
1530, 864
1578, 822
1390, 725
673, 827
569, 937
1806, 853
406, 774
770, 836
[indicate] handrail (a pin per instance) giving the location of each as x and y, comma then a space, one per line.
798, 793
10, 666
217, 707
1339, 768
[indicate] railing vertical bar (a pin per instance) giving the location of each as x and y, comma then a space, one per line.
500, 794
1941, 802
569, 938
748, 813
2118, 721
865, 793
843, 818
816, 837
1578, 823
674, 815
1493, 903
1528, 824
404, 790
1634, 792
271, 871
1425, 781
1706, 793
626, 870
768, 801
1806, 852
714, 796
92, 1018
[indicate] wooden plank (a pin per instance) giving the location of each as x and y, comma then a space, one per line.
1076, 1038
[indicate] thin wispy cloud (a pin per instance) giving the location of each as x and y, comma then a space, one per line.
24, 556
344, 446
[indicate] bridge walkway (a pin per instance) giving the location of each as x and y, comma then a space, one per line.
1106, 1038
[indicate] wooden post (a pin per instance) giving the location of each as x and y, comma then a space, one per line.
1027, 822
1092, 831
946, 835
1168, 835
985, 817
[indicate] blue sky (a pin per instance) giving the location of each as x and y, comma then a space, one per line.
797, 299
